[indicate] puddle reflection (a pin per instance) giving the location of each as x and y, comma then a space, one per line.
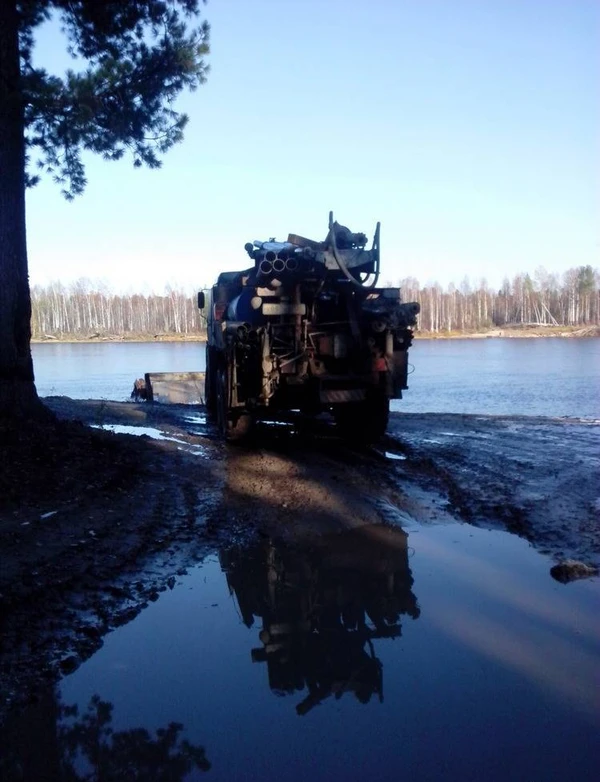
321, 608
502, 657
55, 741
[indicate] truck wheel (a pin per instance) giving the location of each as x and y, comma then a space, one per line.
221, 401
364, 422
239, 426
209, 383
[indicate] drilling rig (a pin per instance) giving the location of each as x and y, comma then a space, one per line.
306, 329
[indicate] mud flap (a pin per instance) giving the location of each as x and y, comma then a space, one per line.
399, 372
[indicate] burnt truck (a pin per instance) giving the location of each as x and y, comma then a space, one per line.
305, 328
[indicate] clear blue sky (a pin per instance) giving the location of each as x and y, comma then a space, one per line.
469, 128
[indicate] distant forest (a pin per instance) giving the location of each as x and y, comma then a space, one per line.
84, 310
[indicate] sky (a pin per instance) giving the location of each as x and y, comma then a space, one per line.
469, 128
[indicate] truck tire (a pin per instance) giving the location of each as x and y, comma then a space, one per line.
364, 422
209, 383
221, 399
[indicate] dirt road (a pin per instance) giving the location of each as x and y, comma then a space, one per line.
92, 554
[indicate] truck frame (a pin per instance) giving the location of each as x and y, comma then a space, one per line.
307, 329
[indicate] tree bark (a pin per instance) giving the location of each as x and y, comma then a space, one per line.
18, 396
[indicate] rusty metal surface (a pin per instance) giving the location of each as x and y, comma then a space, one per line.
183, 388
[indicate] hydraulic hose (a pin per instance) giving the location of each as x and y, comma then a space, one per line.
341, 263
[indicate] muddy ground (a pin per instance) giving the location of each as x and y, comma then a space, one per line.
95, 524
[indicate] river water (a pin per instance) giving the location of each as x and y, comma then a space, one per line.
543, 376
441, 652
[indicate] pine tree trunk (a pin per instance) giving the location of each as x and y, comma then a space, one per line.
18, 397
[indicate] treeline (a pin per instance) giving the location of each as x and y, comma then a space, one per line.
545, 299
83, 310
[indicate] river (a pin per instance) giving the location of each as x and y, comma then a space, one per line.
537, 376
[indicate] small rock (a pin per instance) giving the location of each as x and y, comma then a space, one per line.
571, 570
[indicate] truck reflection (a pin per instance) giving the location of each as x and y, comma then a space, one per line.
321, 608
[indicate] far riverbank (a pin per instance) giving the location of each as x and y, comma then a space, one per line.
506, 332
519, 332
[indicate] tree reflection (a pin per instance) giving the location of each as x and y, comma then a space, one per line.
322, 608
51, 741
124, 755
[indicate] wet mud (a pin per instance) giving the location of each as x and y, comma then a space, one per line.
533, 476
79, 565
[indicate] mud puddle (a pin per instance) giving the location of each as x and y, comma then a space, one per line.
181, 440
443, 653
349, 625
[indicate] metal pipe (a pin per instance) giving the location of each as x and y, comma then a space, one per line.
265, 267
291, 264
278, 265
270, 255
